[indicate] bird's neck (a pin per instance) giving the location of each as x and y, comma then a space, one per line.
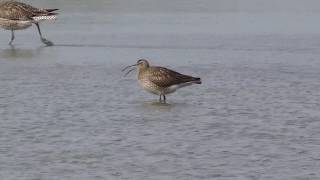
141, 71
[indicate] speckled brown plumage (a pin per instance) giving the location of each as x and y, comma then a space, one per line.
160, 80
14, 10
164, 77
17, 15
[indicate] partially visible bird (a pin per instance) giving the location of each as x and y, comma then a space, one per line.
17, 16
160, 80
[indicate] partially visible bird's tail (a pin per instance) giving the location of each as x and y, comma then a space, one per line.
51, 10
46, 14
196, 80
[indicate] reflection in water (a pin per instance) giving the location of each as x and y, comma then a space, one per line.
136, 46
82, 45
156, 105
15, 53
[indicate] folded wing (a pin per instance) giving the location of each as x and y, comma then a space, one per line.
13, 10
164, 77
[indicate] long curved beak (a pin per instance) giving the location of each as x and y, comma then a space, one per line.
129, 67
129, 70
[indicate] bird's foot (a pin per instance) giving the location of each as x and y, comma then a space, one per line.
47, 42
10, 43
162, 102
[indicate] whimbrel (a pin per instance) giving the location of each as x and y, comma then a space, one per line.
17, 16
160, 80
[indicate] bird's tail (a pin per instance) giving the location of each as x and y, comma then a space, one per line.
196, 80
46, 14
46, 17
51, 10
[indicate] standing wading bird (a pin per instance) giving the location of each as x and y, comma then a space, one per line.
160, 80
17, 16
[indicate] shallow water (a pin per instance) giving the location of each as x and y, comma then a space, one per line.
67, 112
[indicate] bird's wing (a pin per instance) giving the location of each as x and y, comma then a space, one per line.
164, 77
19, 11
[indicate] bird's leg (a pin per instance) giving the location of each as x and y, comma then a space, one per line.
44, 40
160, 98
12, 37
164, 98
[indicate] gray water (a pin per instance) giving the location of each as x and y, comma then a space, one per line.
67, 112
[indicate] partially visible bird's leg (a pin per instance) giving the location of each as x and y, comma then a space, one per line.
44, 40
160, 98
12, 37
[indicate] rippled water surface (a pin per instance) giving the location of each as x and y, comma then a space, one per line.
67, 112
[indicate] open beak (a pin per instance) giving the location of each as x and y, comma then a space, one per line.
128, 67
129, 70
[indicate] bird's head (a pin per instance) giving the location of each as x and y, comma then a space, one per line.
141, 65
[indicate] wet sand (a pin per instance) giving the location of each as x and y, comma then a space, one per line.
67, 112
